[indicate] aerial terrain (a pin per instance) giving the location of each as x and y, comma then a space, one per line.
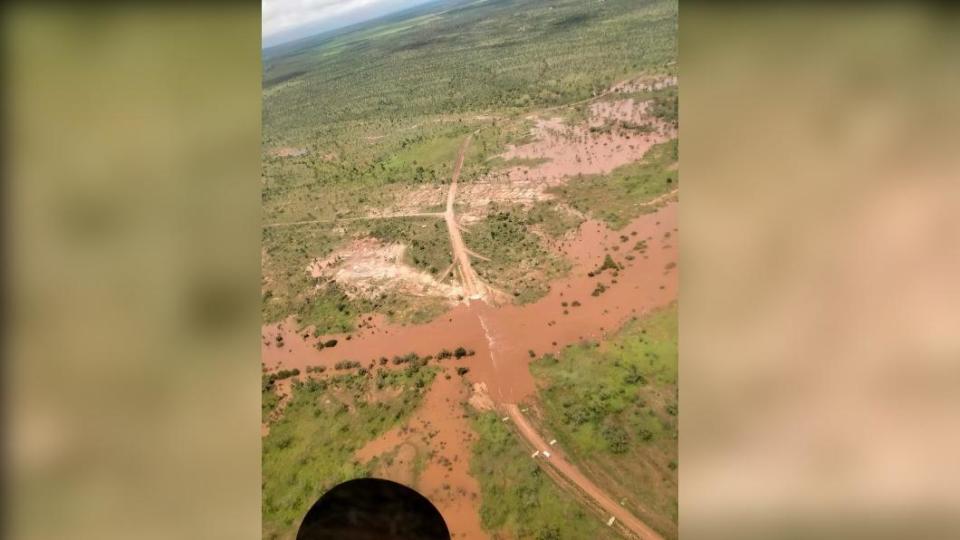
470, 266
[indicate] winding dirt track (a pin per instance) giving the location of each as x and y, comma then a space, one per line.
471, 282
571, 473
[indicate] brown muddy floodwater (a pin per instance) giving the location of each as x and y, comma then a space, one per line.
503, 336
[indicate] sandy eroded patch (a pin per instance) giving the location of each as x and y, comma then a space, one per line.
288, 151
369, 268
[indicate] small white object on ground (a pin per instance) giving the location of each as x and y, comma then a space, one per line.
535, 454
553, 442
546, 454
505, 418
610, 521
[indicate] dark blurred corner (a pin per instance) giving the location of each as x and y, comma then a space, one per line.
820, 285
131, 223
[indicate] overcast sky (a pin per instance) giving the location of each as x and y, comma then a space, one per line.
286, 20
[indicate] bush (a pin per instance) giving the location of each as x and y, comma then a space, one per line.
462, 371
286, 373
346, 364
608, 264
599, 289
460, 352
330, 343
616, 438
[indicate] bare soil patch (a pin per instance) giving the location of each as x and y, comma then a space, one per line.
370, 268
288, 151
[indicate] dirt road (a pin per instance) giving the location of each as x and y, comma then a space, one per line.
343, 220
471, 282
571, 473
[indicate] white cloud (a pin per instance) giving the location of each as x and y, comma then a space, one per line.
283, 17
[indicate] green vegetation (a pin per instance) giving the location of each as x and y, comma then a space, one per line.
427, 241
472, 57
310, 447
613, 408
552, 219
268, 398
665, 105
519, 264
518, 499
622, 195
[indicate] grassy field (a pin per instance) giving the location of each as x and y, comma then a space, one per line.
613, 408
310, 448
519, 500
619, 197
462, 57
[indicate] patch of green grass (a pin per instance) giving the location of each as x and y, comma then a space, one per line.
620, 196
424, 158
311, 447
613, 408
518, 263
330, 310
665, 105
552, 219
287, 287
411, 310
518, 499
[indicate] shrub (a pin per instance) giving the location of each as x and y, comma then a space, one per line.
616, 438
346, 364
330, 343
286, 374
608, 264
599, 289
460, 352
462, 371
